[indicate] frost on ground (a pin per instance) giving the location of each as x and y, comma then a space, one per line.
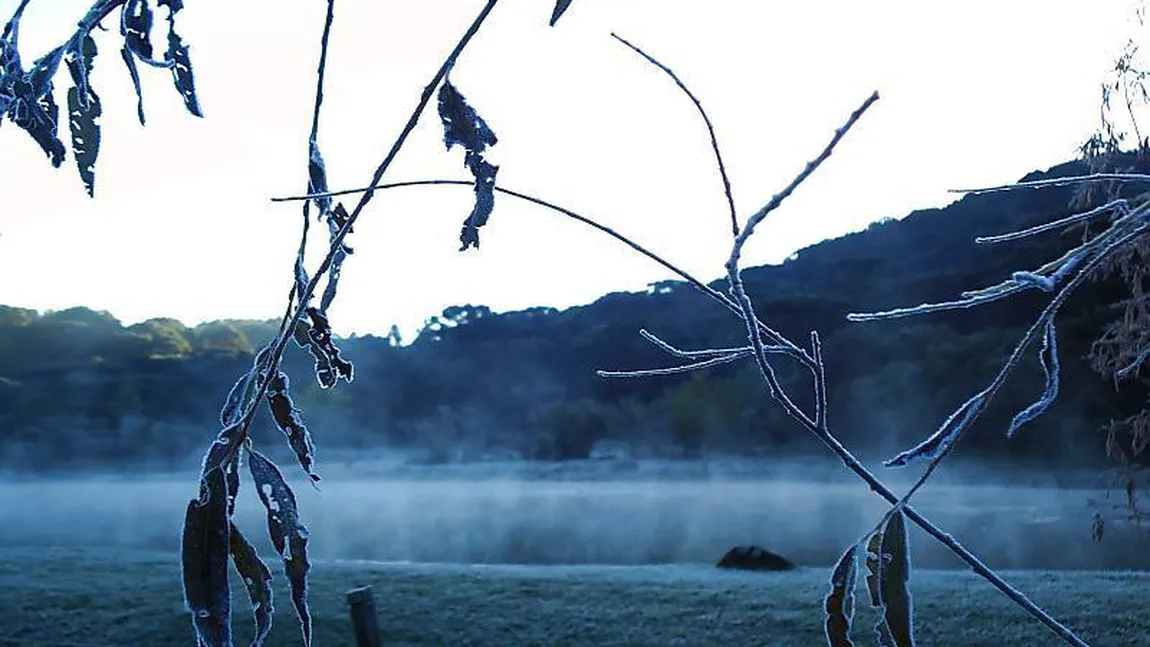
105, 597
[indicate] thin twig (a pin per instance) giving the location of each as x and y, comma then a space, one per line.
710, 130
1059, 181
675, 370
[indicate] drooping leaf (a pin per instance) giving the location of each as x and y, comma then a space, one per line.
336, 221
28, 95
288, 420
557, 12
300, 268
223, 448
258, 581
130, 61
873, 553
243, 390
1048, 357
462, 125
177, 54
316, 337
136, 25
317, 178
206, 544
894, 573
288, 534
484, 201
83, 112
840, 601
945, 436
232, 479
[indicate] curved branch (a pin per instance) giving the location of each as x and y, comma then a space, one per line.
798, 353
706, 120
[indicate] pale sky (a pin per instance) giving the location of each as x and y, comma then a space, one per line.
973, 93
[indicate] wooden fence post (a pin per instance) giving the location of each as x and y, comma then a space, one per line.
363, 620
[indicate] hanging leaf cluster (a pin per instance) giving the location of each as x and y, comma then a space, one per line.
463, 126
887, 559
27, 96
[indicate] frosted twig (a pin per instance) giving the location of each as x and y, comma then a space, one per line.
674, 370
1132, 367
821, 405
1120, 205
689, 354
776, 338
706, 120
1059, 181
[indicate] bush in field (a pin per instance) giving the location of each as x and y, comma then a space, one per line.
212, 539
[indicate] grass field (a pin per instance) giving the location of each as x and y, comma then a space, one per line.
104, 598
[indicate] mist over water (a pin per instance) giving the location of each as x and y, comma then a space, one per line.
582, 516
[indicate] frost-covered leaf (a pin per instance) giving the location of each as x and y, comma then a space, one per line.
894, 573
557, 12
136, 24
336, 221
317, 178
83, 113
258, 581
945, 436
28, 96
130, 62
206, 544
873, 551
223, 448
243, 390
462, 125
840, 601
177, 54
287, 419
317, 339
232, 479
288, 534
1048, 357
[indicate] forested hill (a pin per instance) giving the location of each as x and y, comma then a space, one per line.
77, 387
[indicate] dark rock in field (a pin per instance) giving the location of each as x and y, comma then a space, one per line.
753, 558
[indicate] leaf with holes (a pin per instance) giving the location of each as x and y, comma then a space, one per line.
206, 544
258, 581
83, 113
1048, 357
136, 27
894, 572
287, 419
840, 601
462, 125
288, 534
317, 178
177, 55
336, 221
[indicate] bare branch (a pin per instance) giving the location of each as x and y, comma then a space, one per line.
706, 120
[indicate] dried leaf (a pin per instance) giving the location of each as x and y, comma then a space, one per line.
288, 534
873, 551
945, 436
1048, 357
130, 62
557, 12
840, 601
462, 125
257, 580
83, 112
29, 100
287, 419
317, 339
177, 54
205, 562
894, 573
243, 390
336, 220
136, 26
317, 178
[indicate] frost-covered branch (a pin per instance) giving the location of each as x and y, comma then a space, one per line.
1059, 181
